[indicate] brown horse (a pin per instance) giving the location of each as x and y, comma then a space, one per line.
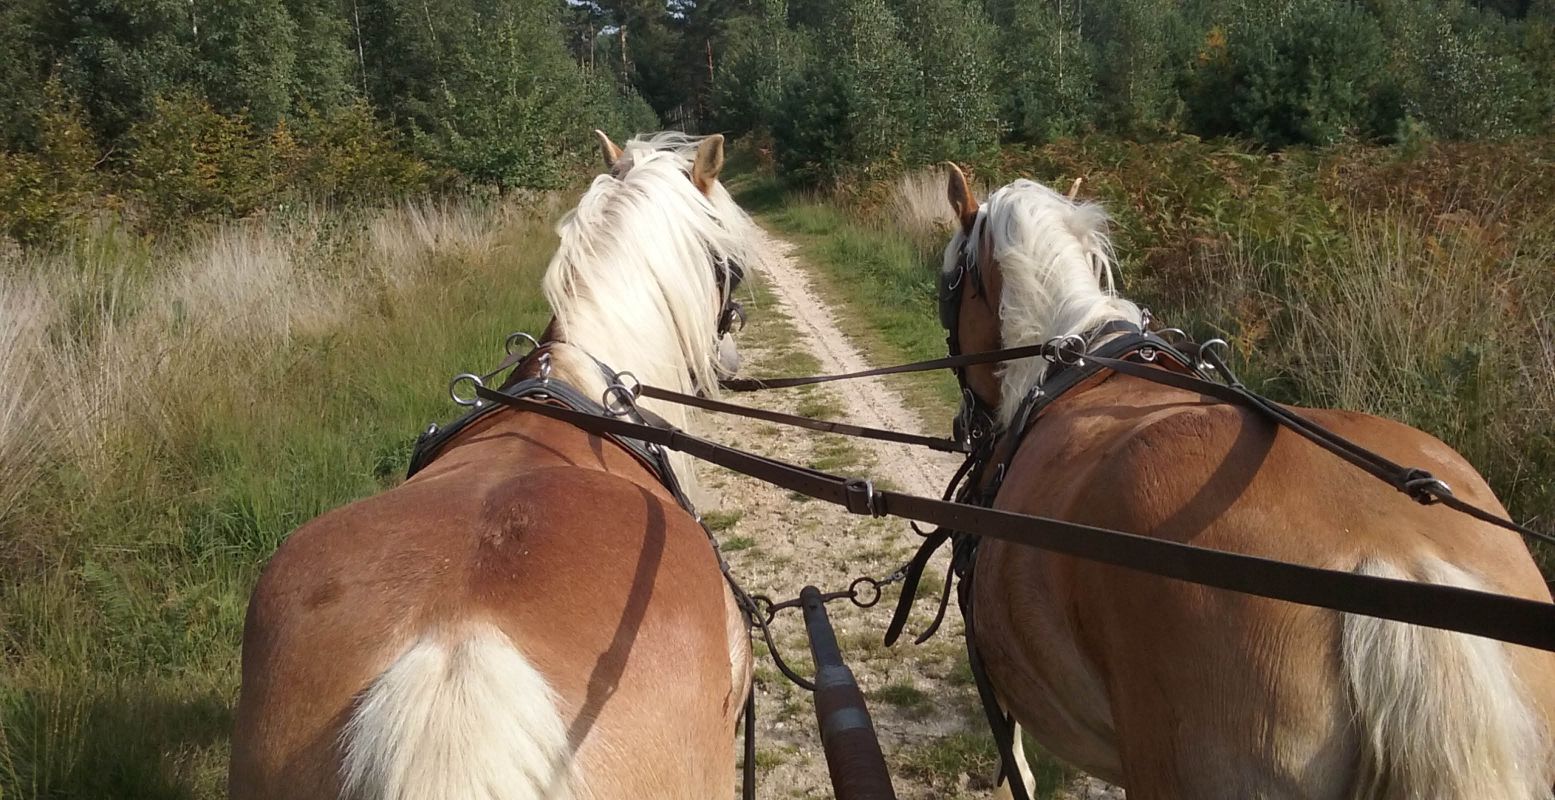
532, 615
1177, 691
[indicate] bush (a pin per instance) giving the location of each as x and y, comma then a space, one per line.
344, 156
41, 192
955, 111
811, 138
1461, 86
188, 161
761, 56
1311, 72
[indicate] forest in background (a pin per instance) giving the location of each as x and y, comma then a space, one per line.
171, 110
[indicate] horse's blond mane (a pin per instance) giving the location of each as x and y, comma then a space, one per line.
1056, 264
633, 282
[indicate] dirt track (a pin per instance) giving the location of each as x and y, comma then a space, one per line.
921, 696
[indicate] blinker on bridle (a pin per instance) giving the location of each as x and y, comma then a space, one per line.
974, 419
730, 274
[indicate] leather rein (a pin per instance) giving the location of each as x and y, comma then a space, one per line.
963, 515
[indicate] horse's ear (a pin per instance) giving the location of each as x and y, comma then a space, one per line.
961, 200
709, 162
608, 149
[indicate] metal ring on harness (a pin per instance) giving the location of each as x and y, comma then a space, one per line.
1425, 488
859, 495
627, 395
519, 336
955, 282
1220, 347
1067, 350
453, 389
732, 313
871, 583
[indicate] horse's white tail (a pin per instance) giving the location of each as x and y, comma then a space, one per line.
462, 719
1440, 715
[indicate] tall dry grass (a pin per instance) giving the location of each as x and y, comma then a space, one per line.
169, 411
1443, 321
144, 333
919, 206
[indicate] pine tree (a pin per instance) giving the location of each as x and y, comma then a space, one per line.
1046, 70
954, 114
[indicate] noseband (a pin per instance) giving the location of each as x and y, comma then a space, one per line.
975, 419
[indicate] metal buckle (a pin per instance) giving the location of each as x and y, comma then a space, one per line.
859, 497
961, 270
732, 313
1219, 347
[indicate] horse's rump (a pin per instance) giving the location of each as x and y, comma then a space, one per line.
1255, 694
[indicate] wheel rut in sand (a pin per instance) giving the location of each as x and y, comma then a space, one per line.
921, 696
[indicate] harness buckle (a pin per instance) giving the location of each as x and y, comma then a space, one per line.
1218, 349
859, 497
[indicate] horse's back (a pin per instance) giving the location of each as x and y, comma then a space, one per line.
603, 588
1244, 687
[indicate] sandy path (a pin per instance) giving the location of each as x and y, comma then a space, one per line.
870, 401
921, 697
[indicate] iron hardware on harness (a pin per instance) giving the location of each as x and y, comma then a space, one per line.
1504, 618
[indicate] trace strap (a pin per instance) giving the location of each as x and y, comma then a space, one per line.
1508, 619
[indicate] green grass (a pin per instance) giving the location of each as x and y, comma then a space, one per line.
735, 544
721, 521
905, 696
837, 454
941, 763
121, 618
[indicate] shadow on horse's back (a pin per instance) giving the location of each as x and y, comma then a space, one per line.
533, 614
1176, 690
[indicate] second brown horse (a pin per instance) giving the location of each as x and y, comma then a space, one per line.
1179, 691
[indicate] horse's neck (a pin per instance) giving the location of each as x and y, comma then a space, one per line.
1074, 305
